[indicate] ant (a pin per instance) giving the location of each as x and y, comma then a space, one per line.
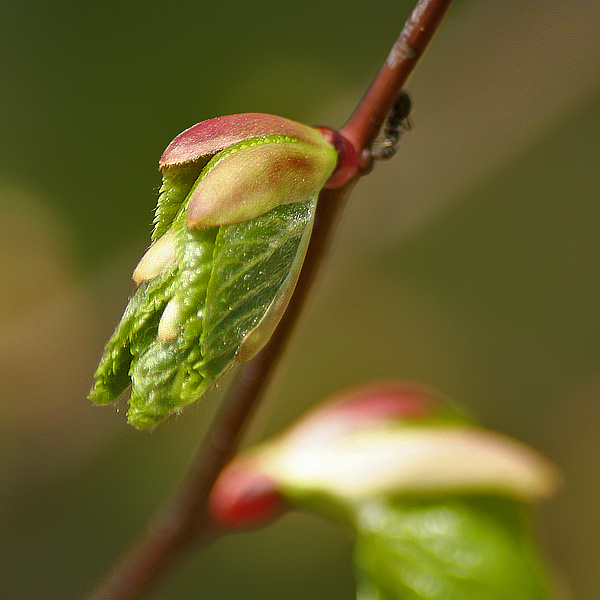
398, 122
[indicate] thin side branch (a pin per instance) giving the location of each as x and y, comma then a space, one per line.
183, 522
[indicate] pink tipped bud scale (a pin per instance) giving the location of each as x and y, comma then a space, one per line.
256, 179
212, 136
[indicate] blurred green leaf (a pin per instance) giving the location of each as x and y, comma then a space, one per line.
474, 548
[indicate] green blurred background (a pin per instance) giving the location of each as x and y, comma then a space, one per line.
469, 262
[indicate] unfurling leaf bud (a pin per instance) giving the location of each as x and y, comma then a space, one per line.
438, 506
387, 440
232, 226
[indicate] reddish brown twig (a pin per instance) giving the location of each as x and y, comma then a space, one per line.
366, 121
183, 521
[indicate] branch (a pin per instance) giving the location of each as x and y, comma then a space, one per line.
183, 521
368, 118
